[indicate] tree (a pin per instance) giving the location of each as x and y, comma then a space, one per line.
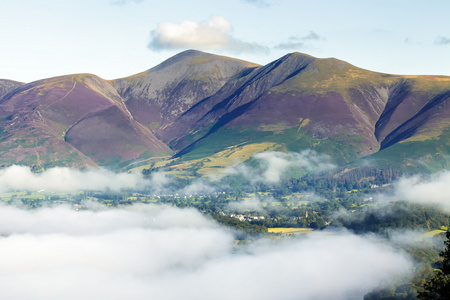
438, 287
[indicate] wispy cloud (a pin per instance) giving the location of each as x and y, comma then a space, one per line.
405, 199
214, 34
62, 179
442, 41
142, 252
123, 2
264, 204
273, 165
296, 42
418, 238
260, 3
290, 45
198, 186
431, 190
311, 36
251, 204
271, 168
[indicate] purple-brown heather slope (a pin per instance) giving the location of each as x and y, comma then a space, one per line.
42, 121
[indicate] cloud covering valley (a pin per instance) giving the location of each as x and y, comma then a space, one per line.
144, 251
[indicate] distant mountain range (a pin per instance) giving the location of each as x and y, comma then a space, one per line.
198, 111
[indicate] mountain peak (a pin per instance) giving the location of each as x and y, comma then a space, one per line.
330, 61
300, 54
185, 55
194, 57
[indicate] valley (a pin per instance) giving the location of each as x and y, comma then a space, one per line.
299, 147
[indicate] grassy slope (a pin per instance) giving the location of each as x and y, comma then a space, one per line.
292, 139
429, 155
230, 146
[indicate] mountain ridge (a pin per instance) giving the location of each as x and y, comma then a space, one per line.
196, 104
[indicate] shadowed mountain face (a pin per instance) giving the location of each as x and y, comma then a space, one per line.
238, 94
197, 105
160, 95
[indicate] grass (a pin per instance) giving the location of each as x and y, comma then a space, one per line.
415, 156
344, 148
430, 84
232, 156
230, 146
435, 232
22, 195
290, 230
28, 195
211, 165
331, 75
200, 60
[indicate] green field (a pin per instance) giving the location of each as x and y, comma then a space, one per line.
288, 231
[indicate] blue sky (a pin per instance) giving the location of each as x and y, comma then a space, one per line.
118, 38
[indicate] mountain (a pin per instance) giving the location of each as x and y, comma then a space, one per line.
75, 120
300, 102
160, 95
211, 111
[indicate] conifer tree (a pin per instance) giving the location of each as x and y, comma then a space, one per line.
438, 287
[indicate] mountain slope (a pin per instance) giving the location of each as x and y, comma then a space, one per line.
238, 91
156, 97
300, 102
310, 95
37, 116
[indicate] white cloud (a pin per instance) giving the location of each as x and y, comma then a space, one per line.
252, 204
263, 204
214, 34
395, 202
274, 165
417, 238
198, 186
61, 179
159, 252
432, 190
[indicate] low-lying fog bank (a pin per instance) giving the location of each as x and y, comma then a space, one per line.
162, 252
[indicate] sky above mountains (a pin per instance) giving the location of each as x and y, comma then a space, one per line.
118, 38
